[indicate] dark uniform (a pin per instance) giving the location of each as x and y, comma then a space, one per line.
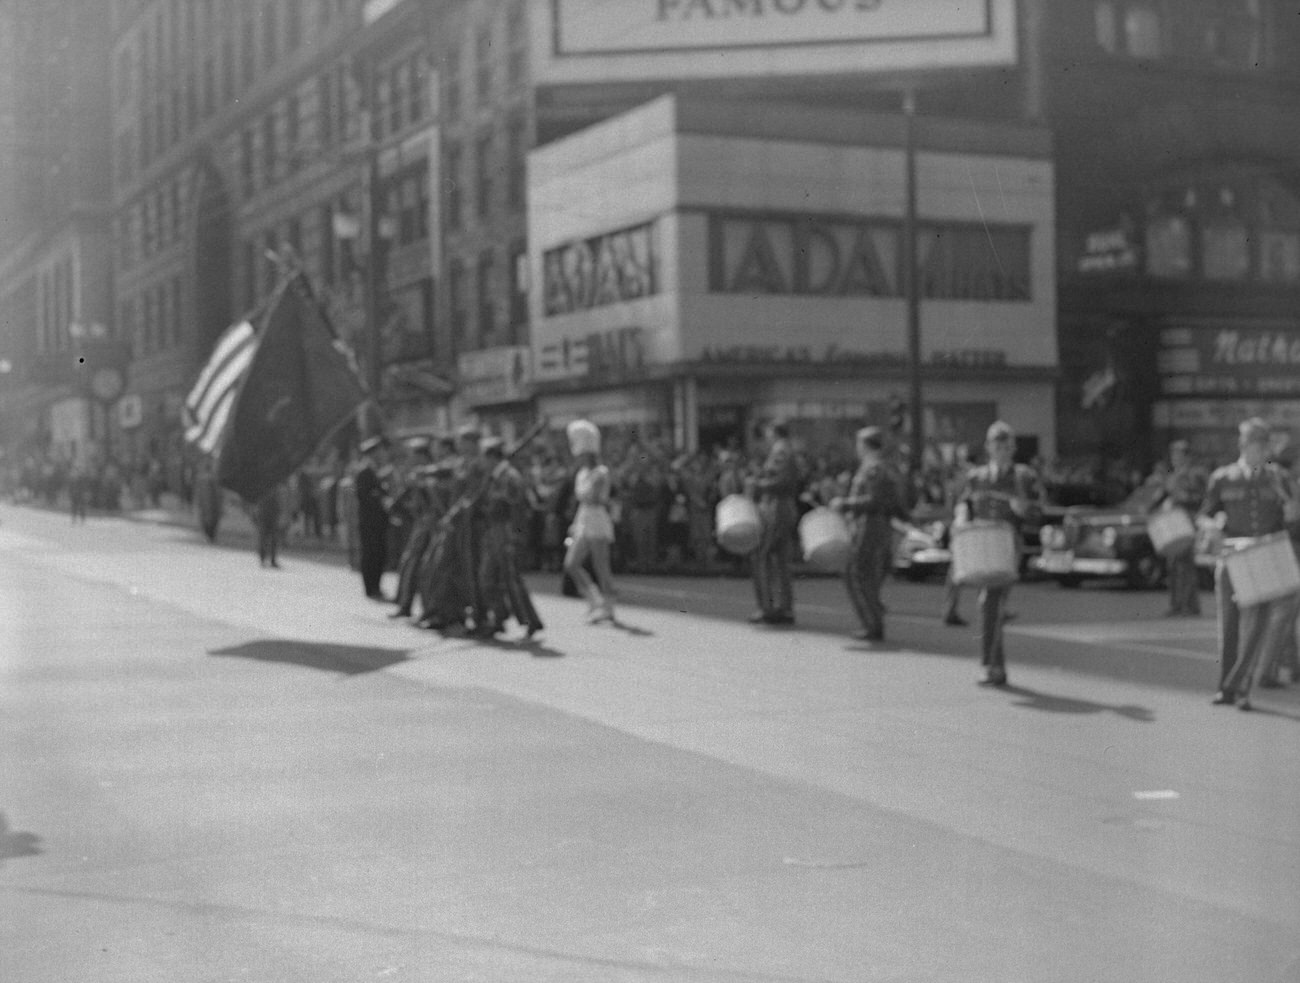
987, 493
501, 585
873, 501
1253, 501
417, 497
776, 492
266, 514
372, 521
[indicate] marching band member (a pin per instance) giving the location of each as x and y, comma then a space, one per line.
873, 500
592, 531
1249, 498
776, 492
1182, 486
1006, 492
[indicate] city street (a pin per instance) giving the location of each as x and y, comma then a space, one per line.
215, 772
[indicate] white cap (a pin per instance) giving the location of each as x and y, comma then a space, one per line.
584, 437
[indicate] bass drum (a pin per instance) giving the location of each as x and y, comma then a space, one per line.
824, 537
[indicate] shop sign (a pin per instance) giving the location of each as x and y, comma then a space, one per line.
835, 354
612, 355
496, 375
611, 268
594, 39
814, 256
1224, 414
1109, 251
1228, 362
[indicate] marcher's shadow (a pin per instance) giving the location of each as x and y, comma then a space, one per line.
17, 844
634, 630
1272, 712
533, 646
1034, 700
349, 660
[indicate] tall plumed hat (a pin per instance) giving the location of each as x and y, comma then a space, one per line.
584, 437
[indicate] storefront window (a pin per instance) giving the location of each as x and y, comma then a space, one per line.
1169, 246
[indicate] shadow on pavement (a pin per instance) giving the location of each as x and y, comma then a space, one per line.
17, 844
349, 660
634, 630
1034, 700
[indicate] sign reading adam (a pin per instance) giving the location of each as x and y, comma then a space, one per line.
783, 36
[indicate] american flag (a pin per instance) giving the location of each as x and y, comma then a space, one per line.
208, 406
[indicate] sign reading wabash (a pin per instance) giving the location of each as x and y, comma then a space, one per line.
598, 40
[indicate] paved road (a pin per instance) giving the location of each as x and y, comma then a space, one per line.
213, 772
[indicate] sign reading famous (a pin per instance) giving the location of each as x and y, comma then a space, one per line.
648, 38
606, 269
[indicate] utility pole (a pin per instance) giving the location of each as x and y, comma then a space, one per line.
911, 284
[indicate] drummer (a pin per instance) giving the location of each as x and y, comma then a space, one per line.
1183, 486
1003, 491
1249, 498
874, 499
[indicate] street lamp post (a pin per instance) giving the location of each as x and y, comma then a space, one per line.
911, 284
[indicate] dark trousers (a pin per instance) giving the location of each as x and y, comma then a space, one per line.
409, 565
268, 541
503, 590
374, 557
865, 576
993, 604
1184, 597
770, 565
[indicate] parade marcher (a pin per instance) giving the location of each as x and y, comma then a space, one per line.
417, 543
1248, 498
592, 531
78, 492
956, 487
776, 492
266, 516
372, 515
1003, 491
208, 499
440, 581
1181, 486
501, 585
872, 503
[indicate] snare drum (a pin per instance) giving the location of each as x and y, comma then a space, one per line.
1171, 531
1263, 569
984, 554
824, 536
739, 526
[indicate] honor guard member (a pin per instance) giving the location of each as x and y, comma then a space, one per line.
500, 582
417, 497
467, 527
266, 516
1183, 487
1248, 498
1003, 491
776, 492
372, 514
439, 581
872, 502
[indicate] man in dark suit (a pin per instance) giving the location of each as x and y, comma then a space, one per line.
372, 514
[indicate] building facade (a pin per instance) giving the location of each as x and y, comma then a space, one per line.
383, 146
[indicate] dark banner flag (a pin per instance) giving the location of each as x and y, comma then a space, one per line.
300, 387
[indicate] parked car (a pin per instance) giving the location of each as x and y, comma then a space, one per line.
921, 546
1089, 542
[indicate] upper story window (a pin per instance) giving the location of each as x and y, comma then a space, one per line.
1226, 34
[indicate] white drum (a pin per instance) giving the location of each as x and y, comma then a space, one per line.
984, 554
824, 536
1262, 569
1171, 532
738, 525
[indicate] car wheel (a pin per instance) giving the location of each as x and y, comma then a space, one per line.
1070, 581
1146, 572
